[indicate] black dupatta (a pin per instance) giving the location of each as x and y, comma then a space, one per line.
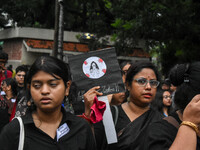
132, 136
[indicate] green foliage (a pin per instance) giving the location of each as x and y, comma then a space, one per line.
114, 37
108, 4
170, 28
117, 24
128, 25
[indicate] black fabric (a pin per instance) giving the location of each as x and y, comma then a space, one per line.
133, 135
21, 107
80, 136
100, 136
20, 93
194, 80
4, 116
161, 135
78, 107
111, 82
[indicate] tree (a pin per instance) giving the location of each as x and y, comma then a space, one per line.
171, 26
58, 33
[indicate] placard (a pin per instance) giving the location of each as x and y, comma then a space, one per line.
96, 68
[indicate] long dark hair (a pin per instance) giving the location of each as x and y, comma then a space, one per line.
93, 62
157, 103
50, 65
13, 84
187, 79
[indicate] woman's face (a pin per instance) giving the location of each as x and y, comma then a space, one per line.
142, 95
47, 92
167, 101
93, 66
4, 86
124, 70
118, 98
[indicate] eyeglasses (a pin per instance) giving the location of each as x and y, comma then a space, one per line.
166, 96
143, 82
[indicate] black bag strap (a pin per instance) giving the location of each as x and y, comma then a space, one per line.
172, 121
116, 114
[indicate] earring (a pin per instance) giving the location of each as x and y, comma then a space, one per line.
30, 102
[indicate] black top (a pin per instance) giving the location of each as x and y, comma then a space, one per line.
20, 93
161, 135
132, 136
79, 137
4, 116
100, 136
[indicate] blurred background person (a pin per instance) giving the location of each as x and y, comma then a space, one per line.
124, 66
163, 102
4, 117
180, 130
20, 76
166, 84
9, 86
4, 73
119, 98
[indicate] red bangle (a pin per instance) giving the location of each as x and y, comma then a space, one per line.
86, 118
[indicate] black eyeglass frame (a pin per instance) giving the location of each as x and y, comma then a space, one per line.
167, 96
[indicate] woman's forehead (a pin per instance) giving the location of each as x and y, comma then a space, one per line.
41, 75
146, 72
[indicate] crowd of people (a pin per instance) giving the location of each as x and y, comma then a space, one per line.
151, 114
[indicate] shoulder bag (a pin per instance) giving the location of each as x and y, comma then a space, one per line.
21, 136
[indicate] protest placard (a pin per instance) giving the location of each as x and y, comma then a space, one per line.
96, 68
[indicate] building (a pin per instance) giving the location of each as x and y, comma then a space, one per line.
24, 45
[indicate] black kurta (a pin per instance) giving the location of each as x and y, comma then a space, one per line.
133, 135
161, 135
79, 137
4, 116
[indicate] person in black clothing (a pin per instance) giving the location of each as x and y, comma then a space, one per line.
47, 125
163, 102
135, 115
4, 116
119, 98
4, 73
166, 84
180, 130
9, 86
20, 76
21, 102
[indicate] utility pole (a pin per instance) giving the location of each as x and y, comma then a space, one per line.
58, 33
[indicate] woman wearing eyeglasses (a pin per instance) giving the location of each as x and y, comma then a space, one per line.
167, 102
135, 115
180, 130
163, 102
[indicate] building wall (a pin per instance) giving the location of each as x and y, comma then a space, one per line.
13, 47
29, 57
20, 54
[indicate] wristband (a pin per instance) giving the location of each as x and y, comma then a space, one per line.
191, 125
86, 118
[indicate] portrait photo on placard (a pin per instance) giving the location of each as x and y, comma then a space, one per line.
96, 68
